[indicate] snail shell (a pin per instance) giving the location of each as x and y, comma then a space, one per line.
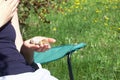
38, 42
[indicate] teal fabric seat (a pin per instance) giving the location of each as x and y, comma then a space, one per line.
58, 52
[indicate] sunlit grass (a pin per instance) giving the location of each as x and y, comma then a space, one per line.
97, 23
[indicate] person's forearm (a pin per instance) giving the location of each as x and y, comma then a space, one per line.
19, 40
15, 23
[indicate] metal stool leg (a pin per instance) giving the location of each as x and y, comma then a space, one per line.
70, 67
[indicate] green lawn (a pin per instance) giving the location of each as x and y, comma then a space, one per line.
95, 22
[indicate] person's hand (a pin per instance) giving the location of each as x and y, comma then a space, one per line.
39, 43
7, 10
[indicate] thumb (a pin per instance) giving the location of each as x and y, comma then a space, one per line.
51, 40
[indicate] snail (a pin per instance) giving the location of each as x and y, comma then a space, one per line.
38, 42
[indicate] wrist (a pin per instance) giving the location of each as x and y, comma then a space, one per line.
27, 53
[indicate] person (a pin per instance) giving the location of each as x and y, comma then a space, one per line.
16, 55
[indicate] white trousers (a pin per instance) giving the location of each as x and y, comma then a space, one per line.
40, 74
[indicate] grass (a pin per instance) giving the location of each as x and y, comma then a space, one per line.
94, 22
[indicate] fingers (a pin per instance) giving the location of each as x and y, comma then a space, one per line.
36, 47
15, 8
14, 4
41, 44
51, 40
11, 3
42, 40
43, 48
39, 48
